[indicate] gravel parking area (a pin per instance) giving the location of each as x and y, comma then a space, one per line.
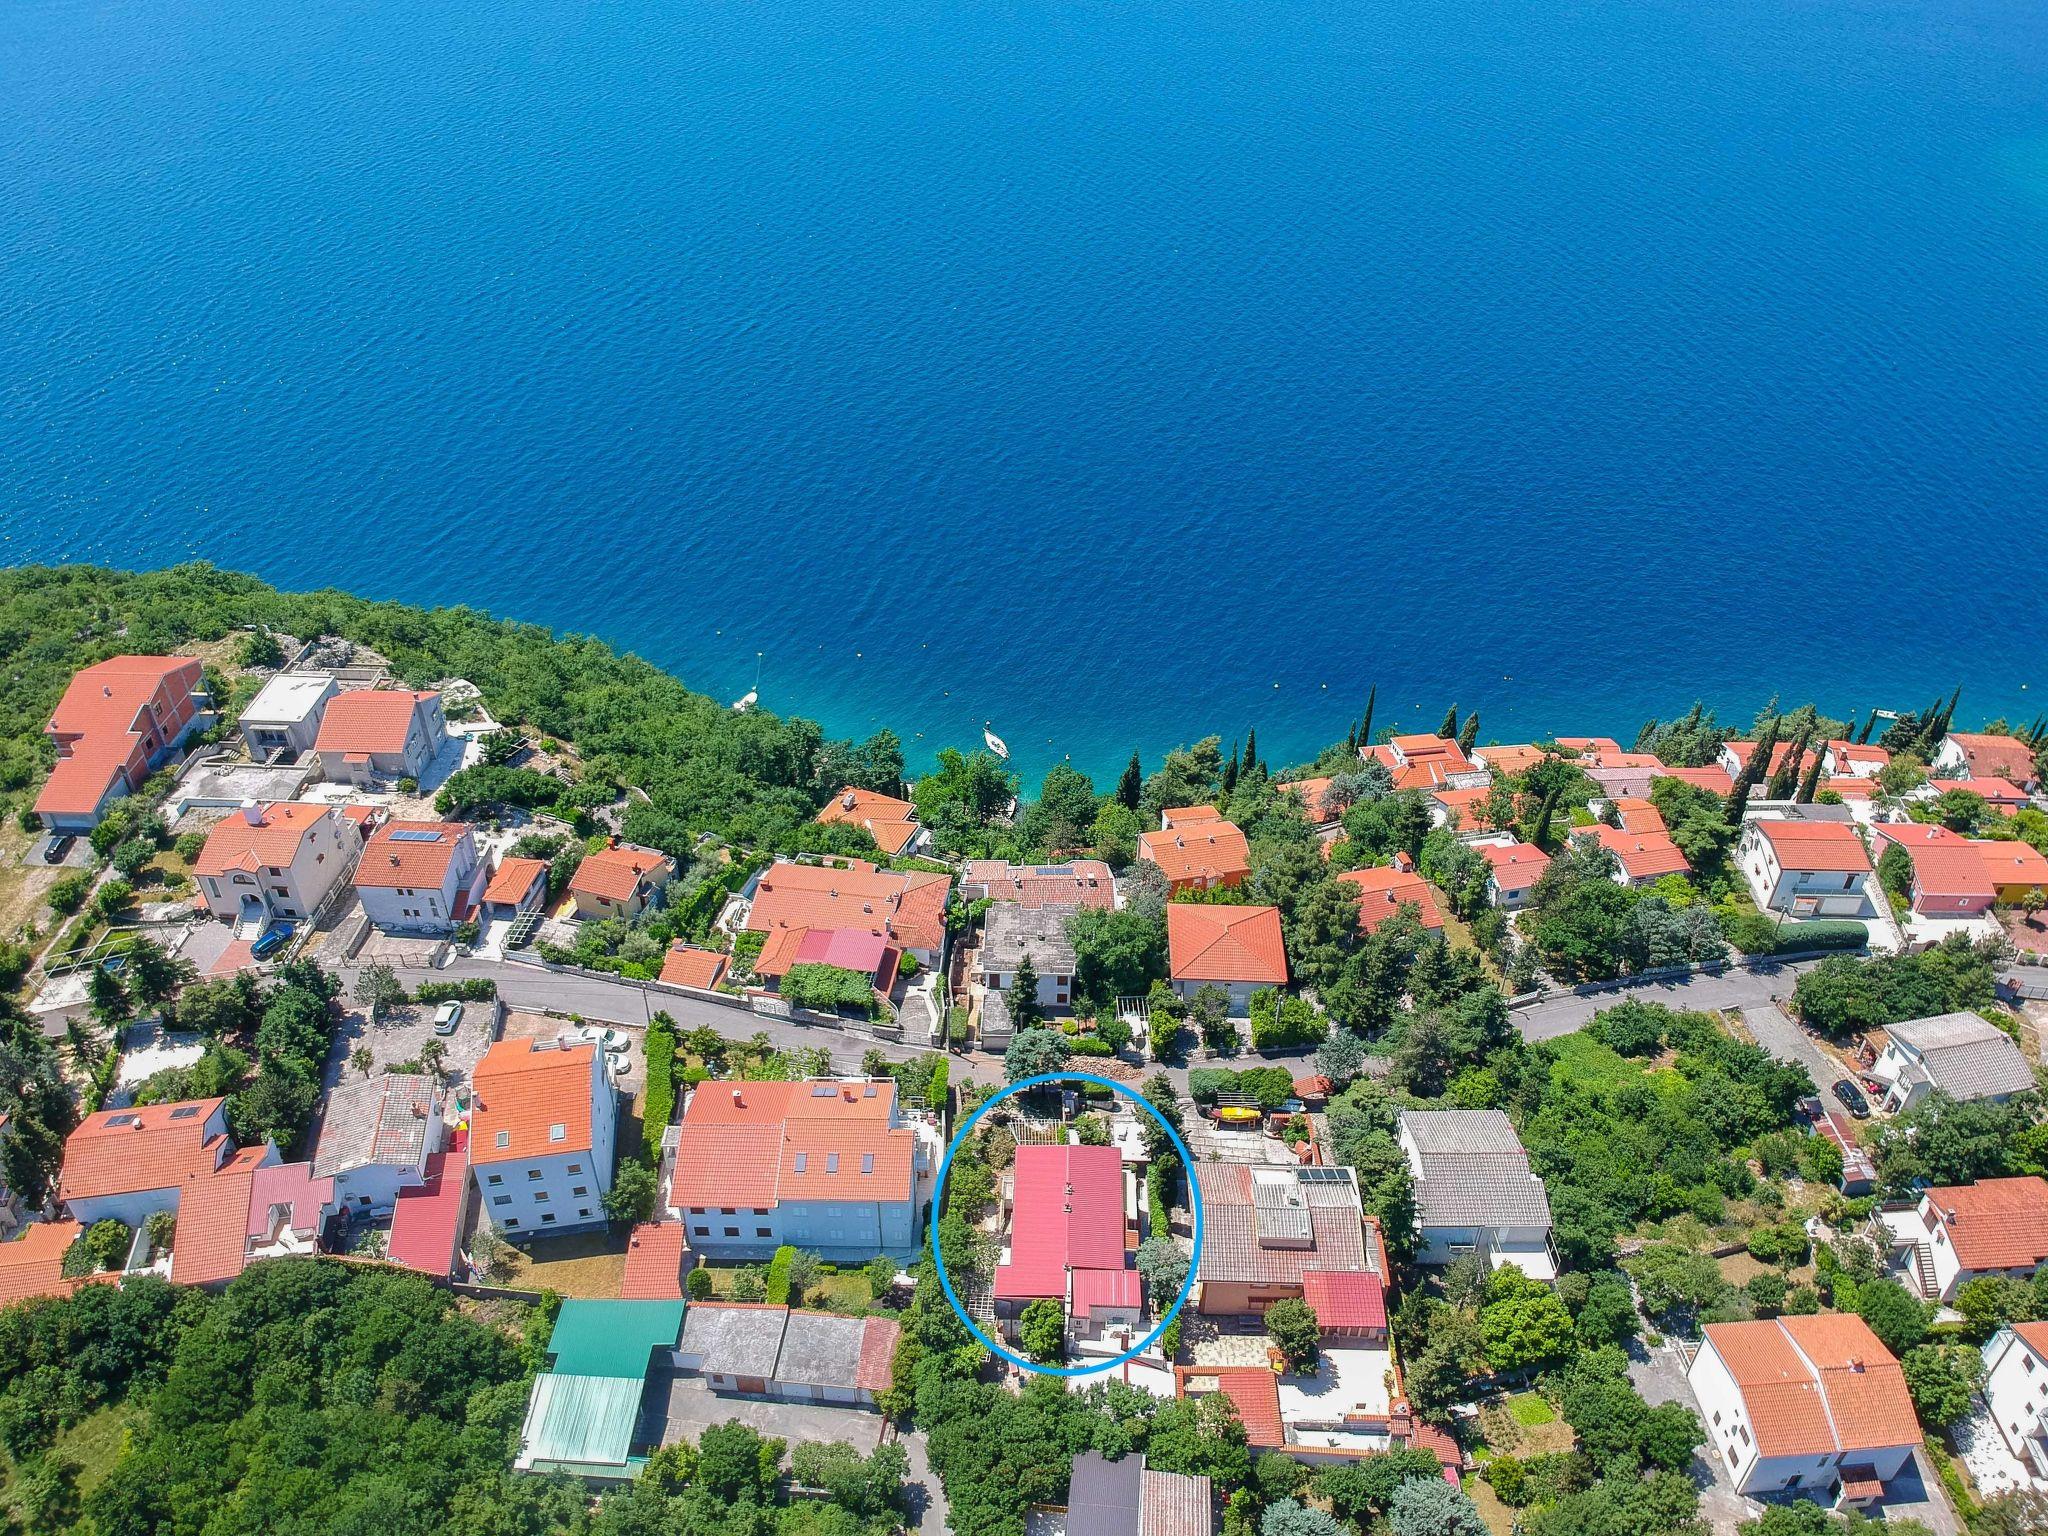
691, 1407
399, 1035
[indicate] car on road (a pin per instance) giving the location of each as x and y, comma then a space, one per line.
272, 941
1852, 1098
55, 849
447, 1018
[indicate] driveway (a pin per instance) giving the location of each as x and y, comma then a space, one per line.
1659, 1375
1730, 989
1776, 1032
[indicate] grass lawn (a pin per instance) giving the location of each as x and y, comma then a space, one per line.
586, 1264
93, 1443
1498, 1517
1582, 1059
844, 1292
1530, 1409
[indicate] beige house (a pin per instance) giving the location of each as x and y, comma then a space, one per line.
267, 862
620, 881
372, 735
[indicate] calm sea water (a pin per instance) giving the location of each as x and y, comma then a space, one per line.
1116, 370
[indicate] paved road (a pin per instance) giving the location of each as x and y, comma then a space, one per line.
1731, 989
1777, 1033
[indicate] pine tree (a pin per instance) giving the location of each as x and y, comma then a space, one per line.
1449, 729
1251, 751
1745, 781
1540, 834
1230, 770
1940, 729
1810, 786
1132, 785
1024, 1008
1469, 737
1365, 725
1351, 740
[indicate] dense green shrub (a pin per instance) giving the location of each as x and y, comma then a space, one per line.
658, 1103
471, 989
777, 1280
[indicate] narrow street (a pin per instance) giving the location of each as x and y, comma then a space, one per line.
1730, 989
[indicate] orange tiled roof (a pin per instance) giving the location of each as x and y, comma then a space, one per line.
1385, 890
1945, 863
1516, 865
273, 841
126, 1151
1253, 1391
366, 721
212, 1241
1601, 746
1997, 757
2002, 793
1310, 793
95, 723
1642, 855
2012, 863
616, 873
1995, 1223
410, 862
911, 907
1869, 753
32, 1264
1208, 943
1822, 846
892, 823
1420, 762
1817, 1385
1639, 816
1509, 761
513, 878
1466, 807
1188, 815
1713, 777
1744, 750
754, 1144
686, 966
524, 1091
655, 1254
1212, 850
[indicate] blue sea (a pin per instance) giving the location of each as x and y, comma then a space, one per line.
1117, 371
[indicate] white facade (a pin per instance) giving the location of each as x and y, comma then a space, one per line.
325, 853
1725, 1413
1054, 990
426, 733
284, 717
2016, 1393
1239, 992
1799, 892
558, 1191
425, 909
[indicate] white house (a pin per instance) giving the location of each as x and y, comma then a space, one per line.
1809, 1405
1012, 932
125, 1164
1515, 867
1854, 760
832, 1166
1960, 1054
375, 1137
370, 736
267, 862
420, 876
2016, 1391
1475, 1193
540, 1136
1806, 868
284, 717
772, 1351
1961, 1232
1236, 948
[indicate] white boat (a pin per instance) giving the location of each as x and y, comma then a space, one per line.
752, 696
995, 742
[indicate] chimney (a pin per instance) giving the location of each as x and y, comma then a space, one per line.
612, 841
846, 801
737, 1099
106, 692
252, 813
394, 861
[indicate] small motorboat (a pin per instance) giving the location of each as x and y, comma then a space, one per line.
995, 742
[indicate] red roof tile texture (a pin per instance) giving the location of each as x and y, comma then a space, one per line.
126, 1151
272, 841
655, 1254
211, 1245
617, 873
1212, 852
1384, 890
412, 862
32, 1264
1995, 1223
523, 1091
1995, 757
1642, 855
755, 1144
1345, 1299
1824, 847
891, 822
1206, 943
686, 966
98, 726
1817, 1385
513, 878
909, 907
366, 721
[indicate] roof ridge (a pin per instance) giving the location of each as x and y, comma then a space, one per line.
1820, 1385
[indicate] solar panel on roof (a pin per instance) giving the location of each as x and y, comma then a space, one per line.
823, 1091
415, 835
1321, 1175
185, 1112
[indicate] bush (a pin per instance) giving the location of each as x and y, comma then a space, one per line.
777, 1282
658, 1103
68, 893
699, 1284
1279, 1022
190, 845
827, 989
1823, 933
472, 989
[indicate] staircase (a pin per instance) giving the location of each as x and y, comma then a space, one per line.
252, 922
1923, 1271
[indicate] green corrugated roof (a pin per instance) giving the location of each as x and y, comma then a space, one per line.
585, 1420
613, 1338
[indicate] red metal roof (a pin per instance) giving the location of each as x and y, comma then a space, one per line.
1068, 1214
1345, 1299
1106, 1288
427, 1217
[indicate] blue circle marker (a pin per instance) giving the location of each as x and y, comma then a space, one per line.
1187, 1163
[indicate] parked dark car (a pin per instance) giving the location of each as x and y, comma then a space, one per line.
271, 942
55, 849
1852, 1099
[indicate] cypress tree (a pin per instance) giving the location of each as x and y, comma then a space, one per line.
1132, 785
1540, 834
1365, 725
1868, 726
1351, 741
1449, 729
1786, 777
1811, 784
1645, 736
1251, 750
1469, 737
1745, 781
1230, 770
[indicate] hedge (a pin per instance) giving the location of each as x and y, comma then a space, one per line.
472, 989
659, 1102
778, 1276
827, 988
1271, 1086
1279, 1022
941, 1077
1823, 933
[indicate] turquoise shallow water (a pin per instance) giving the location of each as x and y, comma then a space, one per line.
1117, 371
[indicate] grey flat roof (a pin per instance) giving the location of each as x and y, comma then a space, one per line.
734, 1339
821, 1350
288, 698
1011, 931
380, 1120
